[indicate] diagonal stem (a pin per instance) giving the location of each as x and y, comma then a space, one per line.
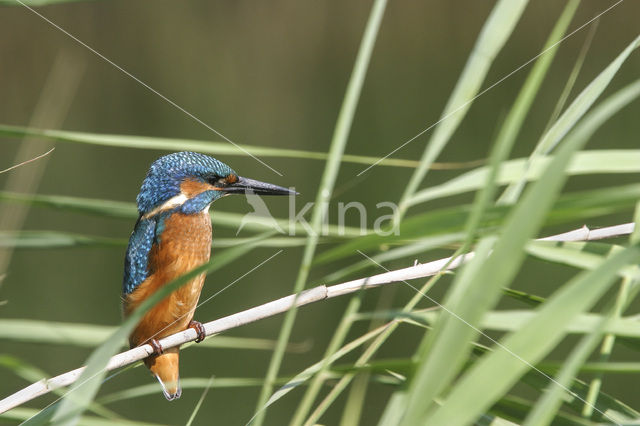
329, 177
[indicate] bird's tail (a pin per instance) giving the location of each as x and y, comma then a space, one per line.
166, 369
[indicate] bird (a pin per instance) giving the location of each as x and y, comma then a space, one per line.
171, 237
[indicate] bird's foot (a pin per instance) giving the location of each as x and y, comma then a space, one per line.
157, 347
199, 328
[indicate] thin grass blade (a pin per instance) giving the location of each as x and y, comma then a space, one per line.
492, 38
327, 184
511, 171
206, 147
570, 117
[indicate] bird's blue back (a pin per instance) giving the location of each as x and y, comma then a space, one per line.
137, 258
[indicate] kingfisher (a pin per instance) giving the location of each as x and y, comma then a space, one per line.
171, 237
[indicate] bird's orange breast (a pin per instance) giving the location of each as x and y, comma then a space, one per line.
184, 244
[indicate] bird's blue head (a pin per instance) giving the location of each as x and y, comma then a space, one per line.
190, 182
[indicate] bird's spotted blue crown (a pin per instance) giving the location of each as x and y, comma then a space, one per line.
167, 173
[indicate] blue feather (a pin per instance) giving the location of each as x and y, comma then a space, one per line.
137, 258
161, 184
146, 233
198, 203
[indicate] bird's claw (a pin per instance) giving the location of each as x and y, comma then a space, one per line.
157, 347
199, 328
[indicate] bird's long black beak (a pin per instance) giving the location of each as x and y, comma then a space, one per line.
243, 185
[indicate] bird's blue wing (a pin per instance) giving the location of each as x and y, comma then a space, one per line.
137, 257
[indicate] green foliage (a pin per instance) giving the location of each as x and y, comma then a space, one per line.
207, 147
327, 185
474, 352
35, 3
90, 335
492, 38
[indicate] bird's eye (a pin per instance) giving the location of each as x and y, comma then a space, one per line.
222, 181
217, 181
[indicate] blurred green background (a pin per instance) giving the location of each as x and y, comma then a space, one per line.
270, 74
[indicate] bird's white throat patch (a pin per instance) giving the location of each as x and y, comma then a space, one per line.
171, 203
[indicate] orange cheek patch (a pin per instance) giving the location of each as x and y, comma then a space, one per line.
193, 187
231, 179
